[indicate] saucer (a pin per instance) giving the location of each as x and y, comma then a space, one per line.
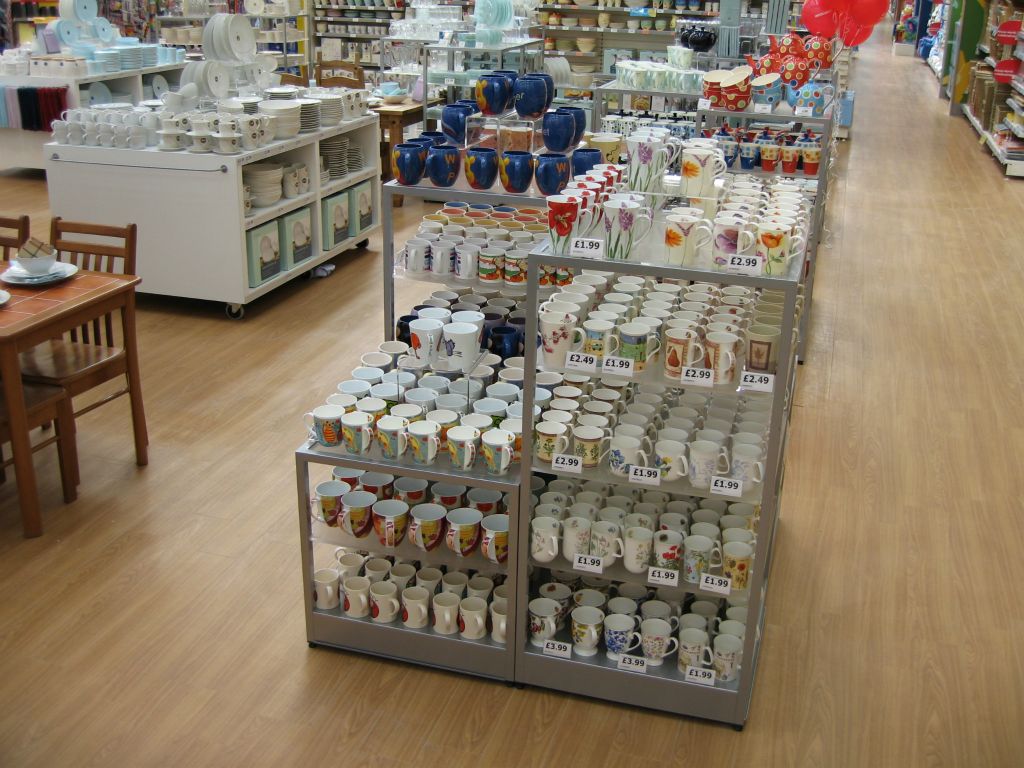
15, 275
4, 297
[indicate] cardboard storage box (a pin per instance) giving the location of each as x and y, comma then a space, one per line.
264, 249
296, 237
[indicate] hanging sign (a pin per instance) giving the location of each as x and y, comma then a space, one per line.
1007, 32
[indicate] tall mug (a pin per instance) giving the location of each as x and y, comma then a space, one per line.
682, 350
559, 334
685, 236
626, 225
700, 167
730, 237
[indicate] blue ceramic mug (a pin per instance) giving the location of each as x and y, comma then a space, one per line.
549, 81
424, 141
481, 167
453, 122
579, 116
443, 165
552, 172
530, 96
436, 136
493, 93
510, 76
584, 160
408, 161
504, 341
558, 130
516, 170
749, 155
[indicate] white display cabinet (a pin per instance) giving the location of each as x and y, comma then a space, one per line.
190, 208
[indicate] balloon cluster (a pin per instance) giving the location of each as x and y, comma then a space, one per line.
851, 20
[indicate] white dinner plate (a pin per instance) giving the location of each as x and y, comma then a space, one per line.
18, 276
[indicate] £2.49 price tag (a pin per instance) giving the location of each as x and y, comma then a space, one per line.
744, 265
698, 377
719, 584
700, 676
581, 361
557, 648
565, 462
703, 104
588, 563
645, 475
620, 366
726, 486
587, 247
757, 382
632, 663
662, 577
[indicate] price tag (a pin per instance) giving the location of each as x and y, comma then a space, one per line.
565, 462
471, 83
633, 664
703, 104
588, 563
803, 112
757, 382
580, 361
662, 577
657, 103
620, 366
744, 265
645, 475
762, 109
449, 81
587, 247
726, 486
557, 648
698, 377
720, 584
700, 676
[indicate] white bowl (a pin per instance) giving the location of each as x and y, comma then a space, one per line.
37, 265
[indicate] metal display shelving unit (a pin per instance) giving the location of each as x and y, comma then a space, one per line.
662, 687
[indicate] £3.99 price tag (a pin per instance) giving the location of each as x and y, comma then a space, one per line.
744, 265
662, 577
703, 103
757, 382
565, 462
803, 112
698, 377
720, 584
700, 676
581, 361
762, 109
726, 486
557, 648
645, 475
632, 663
588, 563
587, 247
620, 366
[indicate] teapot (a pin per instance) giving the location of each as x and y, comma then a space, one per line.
818, 48
817, 96
684, 35
702, 39
788, 45
797, 70
766, 64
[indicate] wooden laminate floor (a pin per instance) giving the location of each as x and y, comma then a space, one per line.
159, 622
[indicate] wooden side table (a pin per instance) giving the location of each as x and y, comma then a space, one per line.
394, 118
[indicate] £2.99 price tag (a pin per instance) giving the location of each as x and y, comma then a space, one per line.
757, 382
662, 577
557, 648
744, 265
703, 104
632, 663
588, 563
620, 366
587, 247
762, 109
565, 462
698, 377
645, 475
803, 112
581, 361
700, 676
726, 486
720, 584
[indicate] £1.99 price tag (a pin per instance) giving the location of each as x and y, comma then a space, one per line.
719, 584
744, 265
581, 361
803, 112
726, 486
703, 104
449, 81
757, 382
762, 109
620, 366
588, 563
587, 247
700, 676
698, 377
565, 462
557, 648
632, 663
662, 577
645, 475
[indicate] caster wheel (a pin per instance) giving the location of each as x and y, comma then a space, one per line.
313, 645
363, 243
739, 728
520, 686
234, 311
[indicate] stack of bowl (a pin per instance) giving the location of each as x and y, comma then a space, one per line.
287, 115
264, 179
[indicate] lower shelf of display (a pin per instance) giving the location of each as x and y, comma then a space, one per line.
337, 614
461, 187
304, 266
667, 670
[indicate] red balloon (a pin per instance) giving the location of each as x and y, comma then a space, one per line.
837, 6
853, 33
867, 13
819, 20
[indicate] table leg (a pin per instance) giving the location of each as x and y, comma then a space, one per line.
134, 380
21, 446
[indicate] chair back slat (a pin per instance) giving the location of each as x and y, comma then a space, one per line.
13, 234
96, 248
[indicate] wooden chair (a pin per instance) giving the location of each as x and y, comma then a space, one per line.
46, 404
10, 241
354, 76
289, 79
90, 355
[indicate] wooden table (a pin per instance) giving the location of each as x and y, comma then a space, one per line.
394, 118
35, 315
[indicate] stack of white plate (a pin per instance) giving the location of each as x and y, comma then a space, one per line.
110, 59
286, 117
149, 55
355, 158
130, 56
282, 92
331, 109
265, 181
95, 93
335, 153
309, 114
